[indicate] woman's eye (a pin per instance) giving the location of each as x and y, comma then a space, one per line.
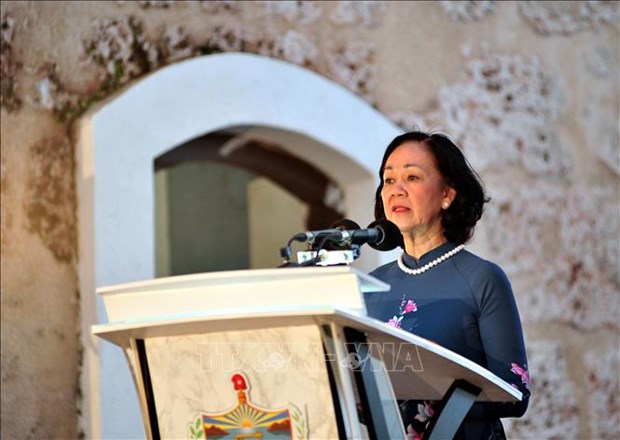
412, 177
388, 180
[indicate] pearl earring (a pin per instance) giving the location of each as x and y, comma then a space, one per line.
445, 205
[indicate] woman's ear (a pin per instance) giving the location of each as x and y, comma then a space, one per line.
449, 194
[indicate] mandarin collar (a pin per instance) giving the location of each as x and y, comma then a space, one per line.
428, 256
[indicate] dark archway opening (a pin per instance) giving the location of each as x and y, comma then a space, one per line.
204, 225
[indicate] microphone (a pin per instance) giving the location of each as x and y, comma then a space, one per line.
381, 235
385, 235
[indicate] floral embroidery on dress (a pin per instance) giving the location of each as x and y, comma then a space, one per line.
412, 434
425, 412
419, 424
521, 372
406, 306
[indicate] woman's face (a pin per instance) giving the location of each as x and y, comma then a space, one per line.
414, 192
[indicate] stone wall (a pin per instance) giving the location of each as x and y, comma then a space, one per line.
529, 89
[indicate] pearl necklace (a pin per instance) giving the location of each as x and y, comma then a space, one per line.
433, 263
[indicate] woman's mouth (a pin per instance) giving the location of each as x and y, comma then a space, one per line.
396, 209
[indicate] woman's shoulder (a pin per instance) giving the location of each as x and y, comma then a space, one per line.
479, 269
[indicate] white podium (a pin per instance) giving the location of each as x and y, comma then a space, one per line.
281, 353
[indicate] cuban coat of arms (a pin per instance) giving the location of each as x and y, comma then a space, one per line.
246, 420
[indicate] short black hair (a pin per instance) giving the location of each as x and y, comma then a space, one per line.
460, 218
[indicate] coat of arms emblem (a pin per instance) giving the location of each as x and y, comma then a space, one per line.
246, 420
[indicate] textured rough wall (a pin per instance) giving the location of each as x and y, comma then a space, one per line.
529, 89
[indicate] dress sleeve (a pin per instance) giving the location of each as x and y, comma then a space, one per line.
502, 340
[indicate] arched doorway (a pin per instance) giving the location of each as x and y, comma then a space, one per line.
309, 117
230, 199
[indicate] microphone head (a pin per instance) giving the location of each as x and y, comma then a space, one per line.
392, 238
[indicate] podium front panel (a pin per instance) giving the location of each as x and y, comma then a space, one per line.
265, 383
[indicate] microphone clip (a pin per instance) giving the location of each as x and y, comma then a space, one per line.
327, 258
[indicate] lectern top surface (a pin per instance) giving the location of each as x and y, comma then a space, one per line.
367, 282
247, 290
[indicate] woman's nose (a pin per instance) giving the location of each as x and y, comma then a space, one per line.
398, 189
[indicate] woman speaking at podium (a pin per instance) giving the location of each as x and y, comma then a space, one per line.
439, 290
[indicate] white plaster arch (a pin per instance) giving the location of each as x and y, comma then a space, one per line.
117, 144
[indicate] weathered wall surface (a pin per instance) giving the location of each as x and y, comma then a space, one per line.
529, 89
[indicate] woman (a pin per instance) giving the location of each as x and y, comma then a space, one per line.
439, 290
